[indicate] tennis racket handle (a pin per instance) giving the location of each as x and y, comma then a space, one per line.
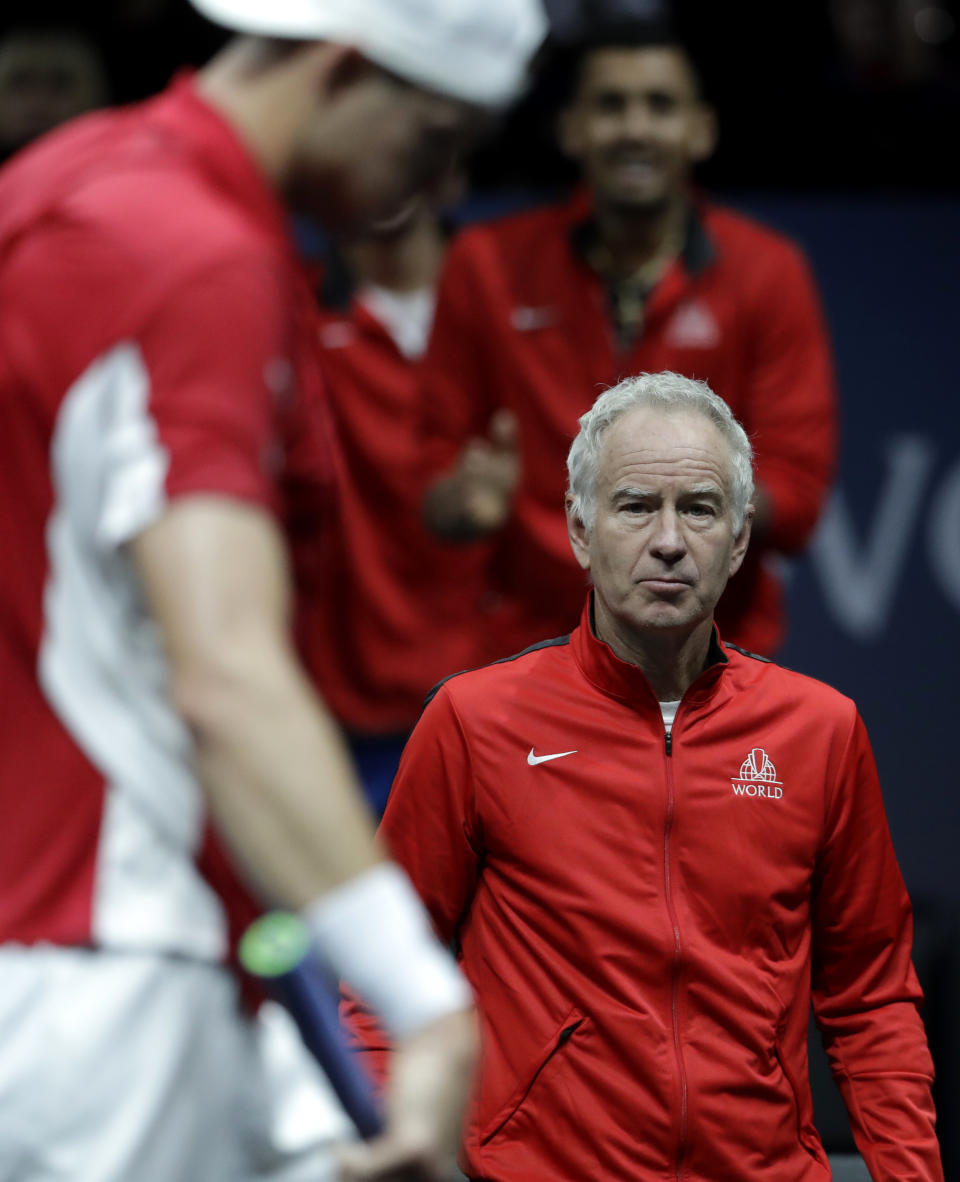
311, 1001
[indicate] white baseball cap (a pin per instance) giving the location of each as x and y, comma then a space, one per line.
476, 50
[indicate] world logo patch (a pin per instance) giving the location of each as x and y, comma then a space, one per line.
758, 777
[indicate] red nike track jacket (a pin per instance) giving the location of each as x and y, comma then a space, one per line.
643, 921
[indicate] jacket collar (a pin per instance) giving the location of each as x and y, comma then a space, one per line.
628, 683
698, 250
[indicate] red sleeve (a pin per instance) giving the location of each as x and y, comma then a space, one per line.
791, 402
431, 829
183, 405
212, 351
865, 992
159, 382
459, 388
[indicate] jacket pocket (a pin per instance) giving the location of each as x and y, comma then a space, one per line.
553, 1047
808, 1140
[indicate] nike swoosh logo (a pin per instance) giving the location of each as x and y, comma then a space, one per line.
533, 760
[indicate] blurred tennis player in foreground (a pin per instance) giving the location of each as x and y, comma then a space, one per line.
166, 469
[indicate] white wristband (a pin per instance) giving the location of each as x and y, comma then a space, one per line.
374, 933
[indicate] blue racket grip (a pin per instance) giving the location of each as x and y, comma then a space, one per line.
276, 949
312, 1003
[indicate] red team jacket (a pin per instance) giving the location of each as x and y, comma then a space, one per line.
522, 322
641, 920
385, 629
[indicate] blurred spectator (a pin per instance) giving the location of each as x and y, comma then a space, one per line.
380, 639
815, 86
46, 77
637, 272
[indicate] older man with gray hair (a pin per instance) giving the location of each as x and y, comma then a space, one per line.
652, 850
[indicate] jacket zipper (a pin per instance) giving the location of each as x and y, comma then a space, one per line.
677, 959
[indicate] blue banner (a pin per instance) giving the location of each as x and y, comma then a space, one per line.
875, 604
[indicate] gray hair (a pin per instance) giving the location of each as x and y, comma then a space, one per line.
669, 392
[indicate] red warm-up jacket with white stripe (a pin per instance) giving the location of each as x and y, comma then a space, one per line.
644, 921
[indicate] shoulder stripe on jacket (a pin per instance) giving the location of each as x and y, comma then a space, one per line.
746, 653
552, 643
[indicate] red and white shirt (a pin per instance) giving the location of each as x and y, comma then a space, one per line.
156, 340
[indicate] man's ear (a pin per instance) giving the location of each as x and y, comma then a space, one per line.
705, 133
741, 542
343, 66
578, 533
569, 133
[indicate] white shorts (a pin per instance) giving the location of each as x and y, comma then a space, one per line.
125, 1067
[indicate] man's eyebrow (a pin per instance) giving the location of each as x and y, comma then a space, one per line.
631, 493
708, 489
